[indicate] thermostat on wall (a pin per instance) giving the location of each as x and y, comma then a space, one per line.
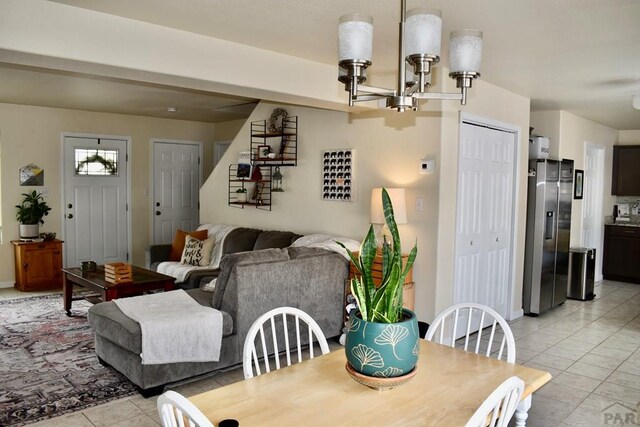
427, 166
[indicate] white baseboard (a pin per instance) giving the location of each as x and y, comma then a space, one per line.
516, 314
6, 285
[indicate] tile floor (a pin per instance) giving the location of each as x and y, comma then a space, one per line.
592, 349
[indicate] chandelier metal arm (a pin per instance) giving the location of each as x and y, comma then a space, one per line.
364, 98
436, 95
376, 90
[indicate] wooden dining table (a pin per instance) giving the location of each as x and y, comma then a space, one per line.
448, 387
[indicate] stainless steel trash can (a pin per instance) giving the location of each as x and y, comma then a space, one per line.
582, 266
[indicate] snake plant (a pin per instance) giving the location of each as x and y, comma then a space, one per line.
381, 304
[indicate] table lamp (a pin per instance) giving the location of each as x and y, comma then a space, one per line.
376, 213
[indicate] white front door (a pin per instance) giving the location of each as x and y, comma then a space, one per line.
592, 218
484, 217
176, 188
95, 200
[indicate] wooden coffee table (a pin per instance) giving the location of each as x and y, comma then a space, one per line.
143, 280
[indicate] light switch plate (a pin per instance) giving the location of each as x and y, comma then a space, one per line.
427, 166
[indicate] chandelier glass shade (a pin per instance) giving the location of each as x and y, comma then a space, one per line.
420, 33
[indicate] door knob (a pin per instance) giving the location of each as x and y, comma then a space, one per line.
157, 212
70, 216
158, 204
497, 239
472, 243
69, 205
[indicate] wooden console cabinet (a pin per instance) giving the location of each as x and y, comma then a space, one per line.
38, 265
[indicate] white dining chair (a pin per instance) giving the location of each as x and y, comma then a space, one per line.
499, 328
495, 328
500, 406
174, 409
263, 337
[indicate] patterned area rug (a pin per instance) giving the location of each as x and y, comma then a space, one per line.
48, 366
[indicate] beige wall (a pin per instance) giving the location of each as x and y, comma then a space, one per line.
387, 153
572, 133
33, 135
629, 137
388, 149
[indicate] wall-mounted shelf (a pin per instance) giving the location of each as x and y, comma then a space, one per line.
259, 199
283, 144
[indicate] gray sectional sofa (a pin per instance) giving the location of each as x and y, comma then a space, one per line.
250, 281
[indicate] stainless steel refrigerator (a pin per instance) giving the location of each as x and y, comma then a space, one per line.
546, 265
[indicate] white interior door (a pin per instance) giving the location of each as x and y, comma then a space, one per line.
95, 200
484, 217
176, 189
593, 193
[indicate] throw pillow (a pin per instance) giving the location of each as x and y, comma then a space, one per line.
179, 240
197, 252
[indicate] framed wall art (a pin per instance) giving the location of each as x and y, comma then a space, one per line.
578, 185
337, 175
31, 175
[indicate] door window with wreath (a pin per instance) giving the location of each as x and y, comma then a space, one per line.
94, 162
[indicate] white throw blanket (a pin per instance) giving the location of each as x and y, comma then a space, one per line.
180, 271
327, 242
175, 328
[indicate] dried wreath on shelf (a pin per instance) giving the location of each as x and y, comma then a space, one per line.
273, 120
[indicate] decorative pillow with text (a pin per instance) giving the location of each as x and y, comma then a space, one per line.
197, 252
177, 246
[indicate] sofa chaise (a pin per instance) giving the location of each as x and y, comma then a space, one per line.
250, 281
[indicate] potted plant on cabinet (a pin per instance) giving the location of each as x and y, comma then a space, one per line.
30, 214
382, 336
241, 195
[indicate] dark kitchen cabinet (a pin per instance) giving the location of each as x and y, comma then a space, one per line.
621, 253
626, 170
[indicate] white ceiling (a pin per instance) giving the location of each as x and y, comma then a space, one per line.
582, 56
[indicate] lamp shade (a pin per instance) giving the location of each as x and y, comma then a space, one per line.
465, 51
355, 37
423, 32
398, 200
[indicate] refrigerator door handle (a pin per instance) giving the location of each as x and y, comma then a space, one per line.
549, 226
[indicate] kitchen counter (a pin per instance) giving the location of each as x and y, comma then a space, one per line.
623, 224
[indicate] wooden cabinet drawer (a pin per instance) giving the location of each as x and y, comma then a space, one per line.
621, 230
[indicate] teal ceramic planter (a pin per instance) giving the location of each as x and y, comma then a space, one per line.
383, 349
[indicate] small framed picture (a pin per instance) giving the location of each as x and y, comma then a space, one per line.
578, 185
263, 151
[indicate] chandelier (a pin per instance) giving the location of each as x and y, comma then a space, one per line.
419, 49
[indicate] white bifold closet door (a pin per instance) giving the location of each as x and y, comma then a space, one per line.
484, 218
